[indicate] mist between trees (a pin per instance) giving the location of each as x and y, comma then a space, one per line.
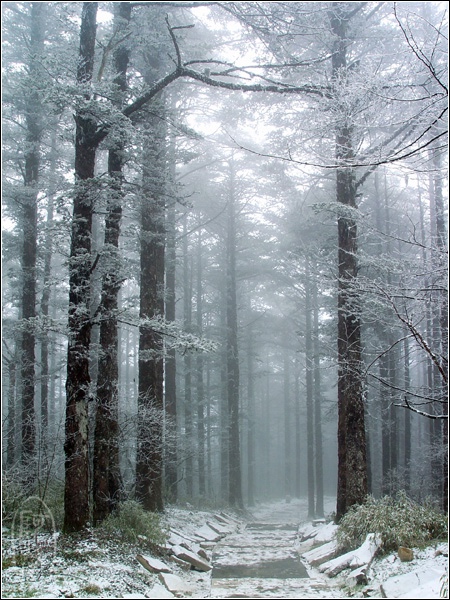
224, 252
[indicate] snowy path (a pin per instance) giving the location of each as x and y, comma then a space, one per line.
261, 560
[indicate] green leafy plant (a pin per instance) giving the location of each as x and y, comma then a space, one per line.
399, 520
134, 524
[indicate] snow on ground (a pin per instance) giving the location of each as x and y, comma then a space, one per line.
95, 566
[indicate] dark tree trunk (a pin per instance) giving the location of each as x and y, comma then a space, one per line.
76, 493
234, 453
149, 462
33, 119
106, 467
352, 462
224, 416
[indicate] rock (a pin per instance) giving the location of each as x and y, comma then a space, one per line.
358, 576
181, 563
356, 558
323, 553
222, 520
307, 532
193, 559
404, 585
316, 522
152, 564
175, 585
157, 591
405, 554
208, 534
220, 529
326, 533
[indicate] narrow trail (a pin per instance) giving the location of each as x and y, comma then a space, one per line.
261, 559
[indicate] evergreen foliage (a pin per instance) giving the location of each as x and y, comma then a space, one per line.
399, 520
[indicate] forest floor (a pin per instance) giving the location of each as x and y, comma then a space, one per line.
258, 558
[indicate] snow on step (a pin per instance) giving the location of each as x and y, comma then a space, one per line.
354, 559
307, 532
323, 553
175, 585
194, 559
153, 564
208, 534
220, 529
405, 586
326, 533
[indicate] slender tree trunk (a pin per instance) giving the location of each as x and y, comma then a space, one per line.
251, 420
287, 426
309, 366
188, 413
298, 453
33, 120
319, 510
352, 460
106, 466
11, 438
170, 366
224, 416
200, 383
235, 479
407, 448
76, 494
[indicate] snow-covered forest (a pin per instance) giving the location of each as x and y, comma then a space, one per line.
224, 254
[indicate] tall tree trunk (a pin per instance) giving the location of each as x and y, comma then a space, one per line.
298, 438
45, 299
188, 413
235, 478
106, 466
251, 420
149, 461
200, 384
352, 461
170, 365
309, 366
11, 436
287, 426
318, 454
33, 120
224, 416
407, 444
76, 493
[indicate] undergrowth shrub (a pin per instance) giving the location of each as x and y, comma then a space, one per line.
399, 520
131, 523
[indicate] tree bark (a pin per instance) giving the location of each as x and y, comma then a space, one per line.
149, 462
200, 383
309, 366
235, 478
33, 120
76, 493
318, 455
106, 466
352, 465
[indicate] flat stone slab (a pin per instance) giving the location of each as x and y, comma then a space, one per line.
208, 534
175, 584
193, 559
399, 585
153, 564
